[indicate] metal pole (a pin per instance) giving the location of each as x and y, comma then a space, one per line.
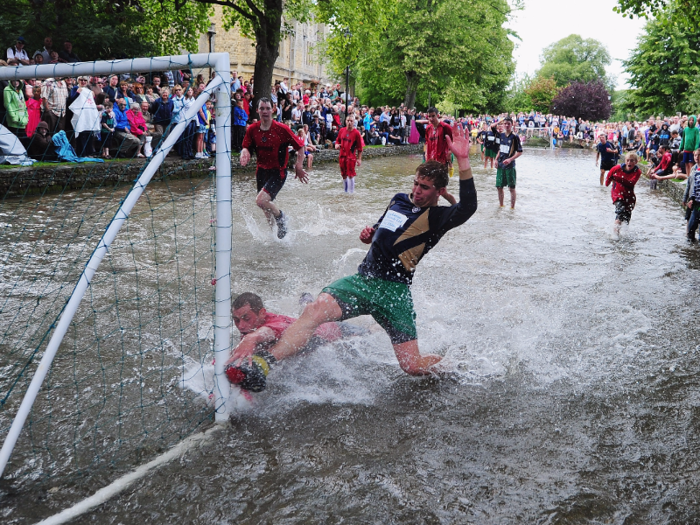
91, 268
222, 314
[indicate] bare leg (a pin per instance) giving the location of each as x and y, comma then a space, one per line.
267, 206
310, 161
512, 197
412, 362
500, 196
602, 177
323, 310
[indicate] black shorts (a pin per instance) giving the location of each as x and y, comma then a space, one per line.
270, 180
623, 211
607, 165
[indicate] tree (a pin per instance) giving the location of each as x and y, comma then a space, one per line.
407, 49
101, 29
515, 99
541, 92
664, 67
574, 59
589, 101
685, 12
262, 20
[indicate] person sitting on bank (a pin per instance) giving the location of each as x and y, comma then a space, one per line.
127, 145
67, 54
41, 146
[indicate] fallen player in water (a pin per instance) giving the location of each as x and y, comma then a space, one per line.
261, 329
411, 225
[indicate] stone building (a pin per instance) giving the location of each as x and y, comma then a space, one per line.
299, 57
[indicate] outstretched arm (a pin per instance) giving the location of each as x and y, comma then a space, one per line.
246, 347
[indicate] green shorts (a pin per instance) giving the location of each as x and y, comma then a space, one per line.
482, 147
491, 154
389, 303
505, 177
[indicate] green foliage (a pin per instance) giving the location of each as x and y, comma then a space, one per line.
516, 99
541, 92
452, 50
620, 103
101, 29
574, 59
665, 67
686, 12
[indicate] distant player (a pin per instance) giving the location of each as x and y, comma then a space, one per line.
491, 145
510, 149
350, 144
269, 140
606, 152
436, 134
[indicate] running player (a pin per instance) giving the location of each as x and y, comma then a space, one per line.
606, 153
410, 227
510, 149
436, 134
270, 139
623, 179
350, 144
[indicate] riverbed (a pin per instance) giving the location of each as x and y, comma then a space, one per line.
575, 392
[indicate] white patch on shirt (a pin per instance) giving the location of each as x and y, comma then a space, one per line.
505, 148
393, 220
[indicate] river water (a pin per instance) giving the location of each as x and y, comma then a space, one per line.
576, 392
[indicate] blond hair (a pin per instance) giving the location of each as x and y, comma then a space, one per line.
632, 155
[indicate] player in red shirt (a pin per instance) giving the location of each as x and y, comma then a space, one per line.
348, 142
436, 147
269, 140
260, 330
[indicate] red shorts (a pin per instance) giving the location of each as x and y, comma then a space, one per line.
347, 166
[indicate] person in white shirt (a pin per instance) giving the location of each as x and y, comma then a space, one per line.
283, 85
16, 55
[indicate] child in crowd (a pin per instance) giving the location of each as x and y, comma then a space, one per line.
623, 178
203, 118
107, 128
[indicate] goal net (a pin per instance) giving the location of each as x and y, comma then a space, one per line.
115, 293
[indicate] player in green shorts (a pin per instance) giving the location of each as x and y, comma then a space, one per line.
509, 150
411, 225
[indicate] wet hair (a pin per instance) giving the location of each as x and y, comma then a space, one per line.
262, 100
432, 110
250, 299
435, 171
632, 155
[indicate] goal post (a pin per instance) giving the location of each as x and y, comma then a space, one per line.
220, 85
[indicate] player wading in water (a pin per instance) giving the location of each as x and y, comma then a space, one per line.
436, 134
269, 140
350, 144
623, 179
606, 153
410, 227
510, 149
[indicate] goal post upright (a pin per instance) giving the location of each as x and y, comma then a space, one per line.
222, 323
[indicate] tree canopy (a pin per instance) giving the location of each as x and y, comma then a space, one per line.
408, 50
687, 11
101, 29
575, 59
590, 101
664, 67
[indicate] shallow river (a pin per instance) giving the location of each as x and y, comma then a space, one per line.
576, 397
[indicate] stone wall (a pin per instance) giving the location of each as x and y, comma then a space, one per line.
16, 182
299, 59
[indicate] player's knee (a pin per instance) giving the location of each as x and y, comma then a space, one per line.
320, 311
262, 200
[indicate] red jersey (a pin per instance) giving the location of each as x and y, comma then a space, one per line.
436, 144
279, 323
349, 142
271, 146
623, 184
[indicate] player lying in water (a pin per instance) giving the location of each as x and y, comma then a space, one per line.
411, 225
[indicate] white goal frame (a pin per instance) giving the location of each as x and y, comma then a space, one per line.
221, 84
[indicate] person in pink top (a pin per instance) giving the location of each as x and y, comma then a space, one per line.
137, 125
34, 110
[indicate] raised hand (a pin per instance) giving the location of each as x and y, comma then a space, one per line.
459, 142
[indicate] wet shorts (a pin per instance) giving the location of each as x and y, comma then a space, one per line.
607, 165
505, 177
270, 180
491, 153
389, 303
347, 166
623, 211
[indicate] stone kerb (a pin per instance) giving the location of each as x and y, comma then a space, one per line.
16, 182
